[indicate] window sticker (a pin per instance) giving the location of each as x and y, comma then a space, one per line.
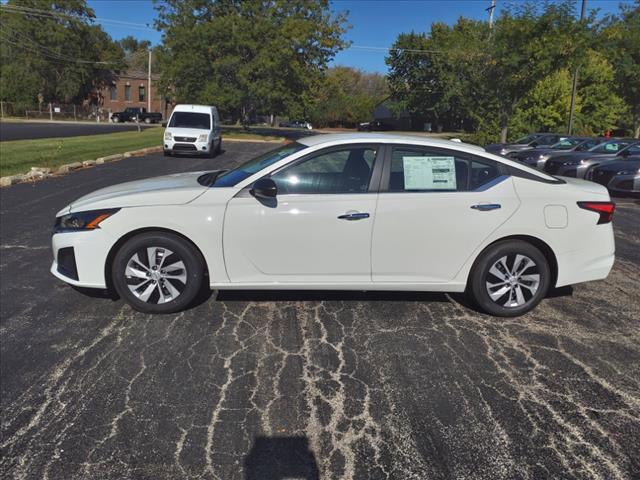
429, 173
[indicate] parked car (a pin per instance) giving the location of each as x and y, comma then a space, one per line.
296, 124
139, 114
621, 177
193, 129
577, 164
350, 212
375, 126
533, 140
537, 157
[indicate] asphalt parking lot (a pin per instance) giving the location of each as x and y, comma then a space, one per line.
255, 385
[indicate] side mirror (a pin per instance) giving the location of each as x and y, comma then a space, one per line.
264, 188
164, 124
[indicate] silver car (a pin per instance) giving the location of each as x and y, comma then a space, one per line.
537, 157
577, 164
620, 177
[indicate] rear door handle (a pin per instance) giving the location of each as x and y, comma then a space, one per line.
353, 216
485, 207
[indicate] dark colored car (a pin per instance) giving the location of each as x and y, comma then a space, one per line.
140, 114
374, 126
528, 142
296, 124
621, 177
537, 157
577, 164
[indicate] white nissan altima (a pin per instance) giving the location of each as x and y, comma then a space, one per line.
352, 212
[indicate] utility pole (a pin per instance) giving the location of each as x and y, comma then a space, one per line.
490, 10
575, 79
149, 85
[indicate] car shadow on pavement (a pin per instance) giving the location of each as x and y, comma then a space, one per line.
280, 458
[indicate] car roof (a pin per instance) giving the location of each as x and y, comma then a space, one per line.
194, 108
375, 137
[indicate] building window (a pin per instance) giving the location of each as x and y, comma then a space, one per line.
113, 93
141, 93
127, 93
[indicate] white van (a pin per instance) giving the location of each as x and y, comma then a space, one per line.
193, 129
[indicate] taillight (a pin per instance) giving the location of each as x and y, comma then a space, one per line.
605, 209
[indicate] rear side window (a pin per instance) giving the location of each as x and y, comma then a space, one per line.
430, 171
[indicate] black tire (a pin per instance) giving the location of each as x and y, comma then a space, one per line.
219, 147
147, 120
187, 281
115, 119
212, 152
167, 153
508, 304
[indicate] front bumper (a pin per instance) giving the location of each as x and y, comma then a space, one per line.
88, 250
192, 148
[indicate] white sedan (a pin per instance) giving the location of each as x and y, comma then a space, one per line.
351, 212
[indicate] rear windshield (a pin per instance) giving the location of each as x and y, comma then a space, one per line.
526, 139
200, 121
567, 143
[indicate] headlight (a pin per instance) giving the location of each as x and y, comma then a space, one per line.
503, 151
543, 157
82, 221
203, 138
584, 161
167, 136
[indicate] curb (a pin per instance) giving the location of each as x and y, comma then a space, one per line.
39, 173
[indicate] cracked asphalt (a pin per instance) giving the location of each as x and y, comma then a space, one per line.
284, 385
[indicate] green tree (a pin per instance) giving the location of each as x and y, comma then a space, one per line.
347, 96
52, 51
247, 56
621, 40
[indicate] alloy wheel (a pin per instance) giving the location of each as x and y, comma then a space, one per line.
156, 275
512, 280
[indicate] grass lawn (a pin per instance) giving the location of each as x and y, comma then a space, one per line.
18, 156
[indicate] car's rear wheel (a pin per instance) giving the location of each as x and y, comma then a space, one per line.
510, 278
147, 120
115, 119
158, 272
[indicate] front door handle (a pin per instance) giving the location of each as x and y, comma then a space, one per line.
353, 216
485, 207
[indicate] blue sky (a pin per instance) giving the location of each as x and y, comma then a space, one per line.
375, 23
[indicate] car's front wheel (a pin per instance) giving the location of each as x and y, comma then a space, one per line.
510, 278
158, 272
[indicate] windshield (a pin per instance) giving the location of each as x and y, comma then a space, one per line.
200, 121
526, 140
612, 146
567, 143
232, 177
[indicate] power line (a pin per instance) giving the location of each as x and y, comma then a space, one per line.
40, 13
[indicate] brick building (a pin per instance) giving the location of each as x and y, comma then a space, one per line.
131, 89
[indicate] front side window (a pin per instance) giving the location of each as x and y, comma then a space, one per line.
200, 121
633, 149
429, 171
566, 143
346, 170
612, 146
127, 93
526, 140
244, 171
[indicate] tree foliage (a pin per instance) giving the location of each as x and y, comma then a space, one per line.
249, 55
346, 96
518, 76
51, 51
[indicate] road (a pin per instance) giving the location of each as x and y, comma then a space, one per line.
255, 385
33, 130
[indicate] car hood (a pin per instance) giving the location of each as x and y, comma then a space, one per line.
174, 189
187, 132
619, 165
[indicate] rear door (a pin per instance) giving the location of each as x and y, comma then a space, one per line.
435, 207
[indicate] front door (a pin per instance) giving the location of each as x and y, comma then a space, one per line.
435, 207
317, 230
